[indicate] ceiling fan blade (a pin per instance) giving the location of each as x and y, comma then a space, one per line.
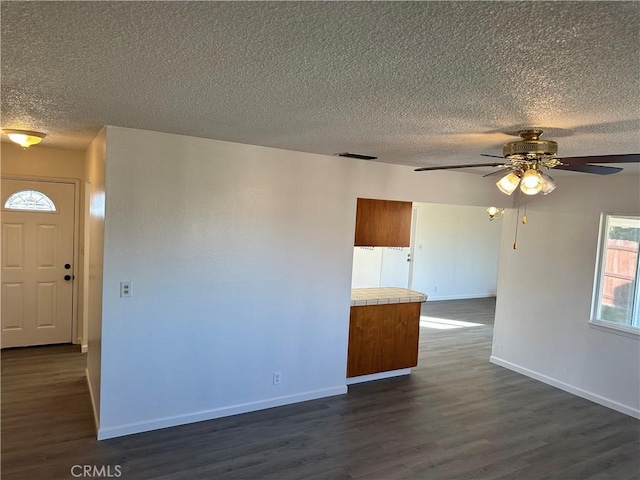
625, 158
498, 172
597, 169
492, 156
468, 165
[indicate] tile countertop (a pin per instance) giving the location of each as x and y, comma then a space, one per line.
379, 296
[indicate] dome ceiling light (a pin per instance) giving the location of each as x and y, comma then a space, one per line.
24, 138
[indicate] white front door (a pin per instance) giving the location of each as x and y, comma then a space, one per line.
37, 262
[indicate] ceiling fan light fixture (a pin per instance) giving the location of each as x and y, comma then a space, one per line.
531, 182
24, 138
509, 183
530, 144
548, 184
529, 156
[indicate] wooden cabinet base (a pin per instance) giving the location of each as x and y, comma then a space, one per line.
383, 338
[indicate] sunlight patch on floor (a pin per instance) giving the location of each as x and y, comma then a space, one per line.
445, 323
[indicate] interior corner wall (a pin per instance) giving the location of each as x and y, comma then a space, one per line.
456, 252
41, 162
545, 292
95, 174
240, 261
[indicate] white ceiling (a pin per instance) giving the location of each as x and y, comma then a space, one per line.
414, 83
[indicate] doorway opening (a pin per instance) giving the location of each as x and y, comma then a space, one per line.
38, 259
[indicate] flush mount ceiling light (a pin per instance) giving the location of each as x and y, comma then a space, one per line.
24, 138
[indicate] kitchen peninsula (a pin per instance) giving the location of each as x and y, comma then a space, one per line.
384, 327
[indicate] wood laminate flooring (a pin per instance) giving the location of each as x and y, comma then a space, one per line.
455, 417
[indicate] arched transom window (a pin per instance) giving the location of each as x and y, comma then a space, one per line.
30, 200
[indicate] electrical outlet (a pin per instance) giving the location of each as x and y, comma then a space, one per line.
125, 289
277, 377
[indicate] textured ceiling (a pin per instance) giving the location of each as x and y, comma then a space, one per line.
415, 83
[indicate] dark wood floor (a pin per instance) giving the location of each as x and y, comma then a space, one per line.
456, 417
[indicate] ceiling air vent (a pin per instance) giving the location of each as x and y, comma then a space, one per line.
356, 155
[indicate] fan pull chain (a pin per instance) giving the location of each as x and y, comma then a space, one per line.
515, 240
524, 217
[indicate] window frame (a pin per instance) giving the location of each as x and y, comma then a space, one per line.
598, 283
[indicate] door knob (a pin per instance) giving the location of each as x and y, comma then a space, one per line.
67, 277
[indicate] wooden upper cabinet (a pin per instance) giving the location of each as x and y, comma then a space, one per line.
382, 223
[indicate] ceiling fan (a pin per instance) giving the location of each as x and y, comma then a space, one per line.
525, 160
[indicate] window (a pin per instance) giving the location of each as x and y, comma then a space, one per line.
31, 200
616, 297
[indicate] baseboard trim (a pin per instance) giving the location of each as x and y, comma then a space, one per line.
96, 418
606, 402
378, 376
433, 297
84, 348
130, 429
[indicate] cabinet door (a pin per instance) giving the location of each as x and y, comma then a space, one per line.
382, 223
383, 338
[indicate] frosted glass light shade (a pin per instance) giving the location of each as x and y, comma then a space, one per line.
548, 184
25, 138
531, 182
508, 183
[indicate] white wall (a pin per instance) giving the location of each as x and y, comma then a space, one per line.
41, 161
380, 267
456, 251
367, 265
240, 258
95, 173
545, 290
